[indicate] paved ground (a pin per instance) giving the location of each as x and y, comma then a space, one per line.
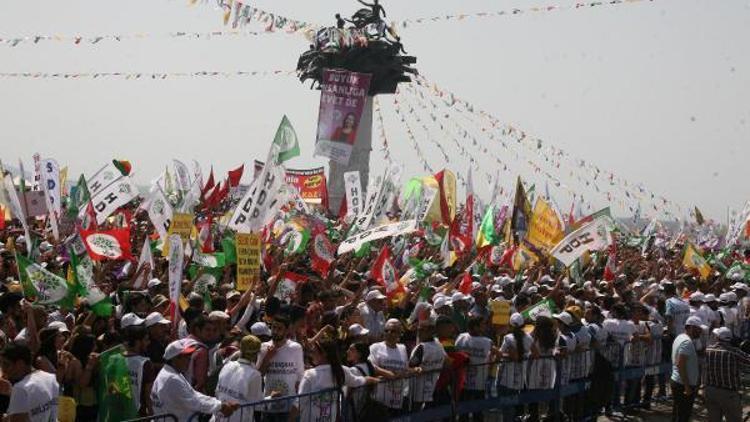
662, 412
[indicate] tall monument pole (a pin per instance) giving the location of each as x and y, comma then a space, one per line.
366, 44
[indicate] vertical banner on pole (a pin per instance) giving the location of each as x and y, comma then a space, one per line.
342, 97
248, 260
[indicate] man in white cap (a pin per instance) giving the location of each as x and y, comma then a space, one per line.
171, 392
372, 315
710, 309
728, 313
389, 359
722, 369
684, 379
158, 333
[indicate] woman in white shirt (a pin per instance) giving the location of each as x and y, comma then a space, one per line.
516, 349
325, 381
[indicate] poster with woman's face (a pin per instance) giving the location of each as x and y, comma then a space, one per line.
342, 98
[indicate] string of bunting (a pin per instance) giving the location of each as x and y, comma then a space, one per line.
385, 149
556, 154
516, 12
537, 169
412, 140
96, 39
144, 75
239, 13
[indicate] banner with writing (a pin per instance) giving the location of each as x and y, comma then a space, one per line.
248, 260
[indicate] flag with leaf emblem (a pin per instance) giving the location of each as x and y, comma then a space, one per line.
45, 287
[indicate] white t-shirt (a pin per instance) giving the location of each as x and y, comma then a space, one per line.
679, 311
284, 371
323, 406
390, 393
513, 374
710, 316
433, 356
478, 348
35, 395
619, 330
373, 321
239, 381
731, 319
171, 393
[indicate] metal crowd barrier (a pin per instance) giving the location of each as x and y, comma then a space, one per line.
166, 417
557, 381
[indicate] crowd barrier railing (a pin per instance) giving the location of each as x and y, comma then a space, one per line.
166, 417
561, 381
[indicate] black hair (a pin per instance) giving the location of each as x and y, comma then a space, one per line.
544, 332
82, 346
15, 352
443, 320
519, 335
330, 350
197, 323
474, 322
134, 333
47, 349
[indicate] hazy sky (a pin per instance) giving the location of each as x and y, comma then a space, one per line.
658, 92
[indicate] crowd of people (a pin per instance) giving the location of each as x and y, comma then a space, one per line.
464, 331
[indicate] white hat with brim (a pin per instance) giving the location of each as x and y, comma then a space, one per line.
179, 347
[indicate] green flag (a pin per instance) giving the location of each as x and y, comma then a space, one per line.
546, 307
229, 248
297, 241
79, 196
115, 395
286, 140
83, 273
364, 250
44, 286
486, 235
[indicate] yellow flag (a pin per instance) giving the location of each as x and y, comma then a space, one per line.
63, 181
693, 260
523, 258
545, 228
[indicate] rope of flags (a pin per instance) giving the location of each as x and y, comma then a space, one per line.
239, 13
96, 39
412, 140
385, 149
516, 12
552, 155
145, 75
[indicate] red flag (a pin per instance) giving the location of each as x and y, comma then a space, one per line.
204, 234
224, 192
459, 239
571, 215
210, 183
107, 244
507, 259
611, 267
384, 272
321, 254
465, 285
342, 209
88, 220
2, 218
235, 176
444, 209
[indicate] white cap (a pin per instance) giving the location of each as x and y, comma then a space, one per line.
516, 320
728, 297
709, 298
442, 301
156, 318
218, 315
694, 321
61, 327
179, 347
697, 297
741, 286
722, 333
458, 296
356, 330
532, 290
130, 319
565, 317
153, 283
260, 329
232, 293
374, 295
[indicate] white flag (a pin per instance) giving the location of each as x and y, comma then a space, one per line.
353, 189
592, 236
160, 212
183, 175
146, 258
176, 258
15, 208
251, 211
50, 181
387, 230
